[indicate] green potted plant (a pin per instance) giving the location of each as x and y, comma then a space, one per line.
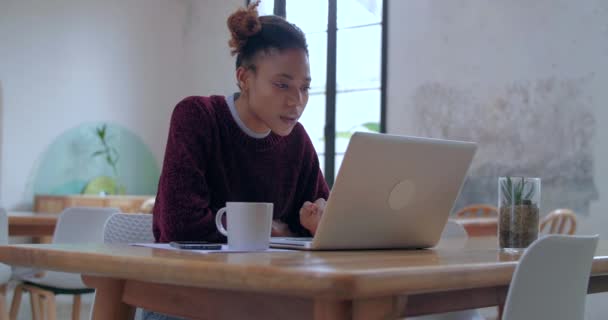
519, 207
104, 184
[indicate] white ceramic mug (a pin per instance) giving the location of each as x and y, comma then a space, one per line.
248, 225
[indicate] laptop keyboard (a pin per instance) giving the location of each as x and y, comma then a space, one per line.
296, 238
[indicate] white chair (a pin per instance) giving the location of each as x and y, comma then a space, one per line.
5, 270
453, 231
75, 225
129, 228
551, 279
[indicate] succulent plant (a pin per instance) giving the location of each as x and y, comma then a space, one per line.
517, 191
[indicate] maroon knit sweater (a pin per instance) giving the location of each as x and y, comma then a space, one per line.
209, 160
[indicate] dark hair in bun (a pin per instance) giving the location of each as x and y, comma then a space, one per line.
251, 34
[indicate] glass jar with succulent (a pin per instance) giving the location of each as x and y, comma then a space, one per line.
519, 206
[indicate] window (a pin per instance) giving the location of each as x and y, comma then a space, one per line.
347, 48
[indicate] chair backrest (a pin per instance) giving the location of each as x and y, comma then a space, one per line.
3, 227
550, 281
558, 220
477, 211
128, 228
76, 225
82, 225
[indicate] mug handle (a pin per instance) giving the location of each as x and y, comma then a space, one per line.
218, 221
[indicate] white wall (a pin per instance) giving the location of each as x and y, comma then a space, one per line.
211, 67
65, 62
1, 139
471, 55
475, 49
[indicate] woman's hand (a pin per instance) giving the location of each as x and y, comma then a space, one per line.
311, 213
280, 229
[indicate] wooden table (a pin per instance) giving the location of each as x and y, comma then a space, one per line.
31, 224
56, 203
387, 284
479, 227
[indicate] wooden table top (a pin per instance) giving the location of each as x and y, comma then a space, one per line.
458, 264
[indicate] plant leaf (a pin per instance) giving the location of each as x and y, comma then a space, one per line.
116, 156
506, 193
344, 134
516, 193
102, 132
530, 193
372, 126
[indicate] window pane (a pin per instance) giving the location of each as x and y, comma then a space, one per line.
358, 12
265, 8
356, 111
321, 162
317, 51
338, 163
359, 62
309, 15
313, 120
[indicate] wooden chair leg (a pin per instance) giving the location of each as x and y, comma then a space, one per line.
51, 306
34, 298
76, 307
39, 298
16, 303
42, 303
3, 312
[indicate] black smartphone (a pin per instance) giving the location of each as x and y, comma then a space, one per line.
195, 245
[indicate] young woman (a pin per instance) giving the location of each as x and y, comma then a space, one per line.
244, 147
248, 146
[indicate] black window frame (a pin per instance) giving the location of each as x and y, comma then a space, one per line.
280, 9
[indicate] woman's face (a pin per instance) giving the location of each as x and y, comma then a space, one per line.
277, 91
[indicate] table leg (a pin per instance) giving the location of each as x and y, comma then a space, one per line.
108, 299
361, 309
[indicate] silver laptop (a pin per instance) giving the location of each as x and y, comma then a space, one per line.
391, 192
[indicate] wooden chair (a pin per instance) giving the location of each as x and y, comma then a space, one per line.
477, 211
557, 220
